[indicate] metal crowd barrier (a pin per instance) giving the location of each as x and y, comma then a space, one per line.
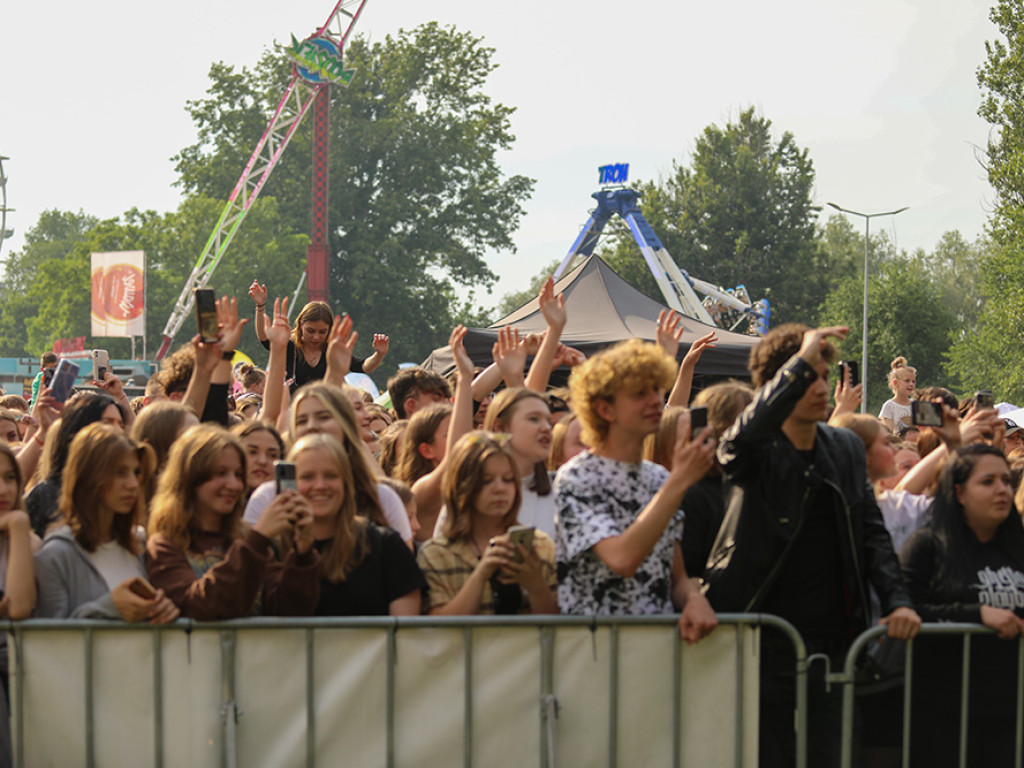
847, 679
518, 690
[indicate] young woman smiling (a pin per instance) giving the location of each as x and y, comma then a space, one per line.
365, 569
200, 552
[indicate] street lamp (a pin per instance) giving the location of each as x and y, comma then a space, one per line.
867, 245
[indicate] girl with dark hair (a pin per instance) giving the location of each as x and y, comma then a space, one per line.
968, 566
263, 446
87, 568
307, 349
471, 566
82, 410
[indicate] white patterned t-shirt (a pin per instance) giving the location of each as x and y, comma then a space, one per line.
597, 498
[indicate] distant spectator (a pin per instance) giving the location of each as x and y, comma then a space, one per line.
902, 380
414, 388
48, 362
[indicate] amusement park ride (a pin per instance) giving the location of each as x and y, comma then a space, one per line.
316, 62
725, 308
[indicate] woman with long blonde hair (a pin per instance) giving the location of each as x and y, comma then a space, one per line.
202, 553
365, 569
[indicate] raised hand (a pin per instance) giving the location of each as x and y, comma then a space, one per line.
552, 307
463, 363
339, 349
707, 341
279, 331
258, 293
381, 343
509, 355
670, 331
230, 326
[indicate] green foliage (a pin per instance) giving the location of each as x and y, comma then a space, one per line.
906, 316
416, 193
742, 212
988, 356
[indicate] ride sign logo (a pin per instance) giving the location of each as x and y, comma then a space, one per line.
317, 60
617, 173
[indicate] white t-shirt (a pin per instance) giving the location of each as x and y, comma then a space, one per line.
115, 563
904, 513
394, 510
898, 414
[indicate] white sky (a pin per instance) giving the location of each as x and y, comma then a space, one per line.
883, 94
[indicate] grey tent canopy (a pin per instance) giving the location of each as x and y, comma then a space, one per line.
604, 309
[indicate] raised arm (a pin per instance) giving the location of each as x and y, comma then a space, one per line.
509, 355
553, 309
339, 350
274, 392
258, 294
380, 350
680, 394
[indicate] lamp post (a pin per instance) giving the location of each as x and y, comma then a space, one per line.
867, 246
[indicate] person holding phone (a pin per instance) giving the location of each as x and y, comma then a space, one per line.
88, 568
365, 569
472, 566
307, 349
199, 550
46, 365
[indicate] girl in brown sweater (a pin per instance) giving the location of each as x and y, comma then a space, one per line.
205, 558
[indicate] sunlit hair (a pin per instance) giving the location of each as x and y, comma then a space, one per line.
464, 478
313, 312
378, 411
411, 382
898, 365
948, 521
12, 416
348, 546
14, 403
412, 465
391, 446
176, 370
94, 454
777, 347
658, 445
193, 461
335, 402
499, 417
725, 401
559, 432
5, 450
633, 365
865, 426
159, 425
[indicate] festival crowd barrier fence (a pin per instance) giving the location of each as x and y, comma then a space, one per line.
438, 691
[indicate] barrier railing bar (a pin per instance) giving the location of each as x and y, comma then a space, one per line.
548, 703
1020, 704
310, 703
389, 703
908, 692
740, 711
228, 710
467, 700
677, 700
158, 700
613, 696
90, 735
965, 684
19, 698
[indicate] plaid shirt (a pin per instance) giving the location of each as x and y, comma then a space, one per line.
447, 566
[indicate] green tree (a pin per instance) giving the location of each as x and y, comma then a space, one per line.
906, 316
515, 299
741, 212
417, 196
989, 356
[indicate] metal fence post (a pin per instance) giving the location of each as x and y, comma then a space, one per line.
229, 707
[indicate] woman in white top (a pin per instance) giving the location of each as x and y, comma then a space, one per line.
525, 416
902, 381
92, 566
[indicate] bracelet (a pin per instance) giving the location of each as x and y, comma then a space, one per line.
227, 355
36, 438
260, 306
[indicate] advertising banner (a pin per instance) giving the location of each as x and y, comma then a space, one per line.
118, 293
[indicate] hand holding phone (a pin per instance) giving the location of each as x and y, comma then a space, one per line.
142, 588
100, 364
520, 534
206, 315
698, 420
926, 414
284, 476
63, 380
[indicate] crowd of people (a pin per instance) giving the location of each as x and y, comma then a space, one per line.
227, 493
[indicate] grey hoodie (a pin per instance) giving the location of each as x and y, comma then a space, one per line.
68, 584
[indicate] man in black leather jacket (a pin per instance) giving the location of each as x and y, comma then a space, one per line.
802, 537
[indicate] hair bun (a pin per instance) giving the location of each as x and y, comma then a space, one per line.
899, 362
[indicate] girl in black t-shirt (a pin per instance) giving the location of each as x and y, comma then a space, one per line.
365, 569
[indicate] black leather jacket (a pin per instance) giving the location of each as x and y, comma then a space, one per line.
767, 486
